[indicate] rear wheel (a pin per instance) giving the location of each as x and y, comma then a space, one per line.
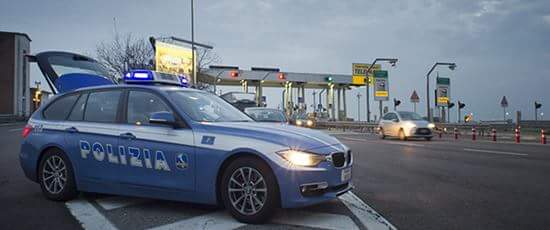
249, 190
402, 135
56, 176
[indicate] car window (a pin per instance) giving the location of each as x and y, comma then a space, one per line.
410, 116
77, 114
102, 106
388, 116
206, 107
60, 108
270, 115
141, 105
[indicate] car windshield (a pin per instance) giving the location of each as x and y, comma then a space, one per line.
267, 115
206, 107
410, 116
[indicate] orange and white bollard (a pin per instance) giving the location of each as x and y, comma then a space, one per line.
517, 135
474, 133
440, 133
456, 133
542, 137
494, 134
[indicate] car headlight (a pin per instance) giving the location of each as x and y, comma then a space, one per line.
300, 158
431, 125
299, 122
309, 123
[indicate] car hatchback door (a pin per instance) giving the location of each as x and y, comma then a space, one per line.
159, 156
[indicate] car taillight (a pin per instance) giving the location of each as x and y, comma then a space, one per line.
26, 131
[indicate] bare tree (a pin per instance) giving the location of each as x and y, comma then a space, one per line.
206, 57
124, 53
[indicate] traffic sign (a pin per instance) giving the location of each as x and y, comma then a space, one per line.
443, 91
414, 97
359, 70
381, 86
504, 102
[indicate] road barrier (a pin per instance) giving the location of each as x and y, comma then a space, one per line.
494, 134
455, 130
517, 135
474, 133
542, 137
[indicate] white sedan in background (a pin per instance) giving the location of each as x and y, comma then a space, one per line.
405, 125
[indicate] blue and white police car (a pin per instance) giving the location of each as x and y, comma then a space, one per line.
165, 141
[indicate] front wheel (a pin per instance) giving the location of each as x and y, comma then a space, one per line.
381, 133
56, 176
249, 190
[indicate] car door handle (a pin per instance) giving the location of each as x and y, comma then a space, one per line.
128, 136
71, 129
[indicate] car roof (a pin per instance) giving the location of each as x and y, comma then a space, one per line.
132, 86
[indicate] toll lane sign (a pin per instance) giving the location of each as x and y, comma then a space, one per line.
443, 91
381, 85
359, 73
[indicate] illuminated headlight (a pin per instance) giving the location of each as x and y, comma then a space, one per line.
309, 123
431, 125
300, 158
299, 122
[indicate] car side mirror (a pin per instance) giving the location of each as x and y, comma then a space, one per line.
162, 118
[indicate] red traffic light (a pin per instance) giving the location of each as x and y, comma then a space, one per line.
234, 74
281, 76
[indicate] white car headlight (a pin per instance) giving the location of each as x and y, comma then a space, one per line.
431, 125
300, 158
309, 123
299, 122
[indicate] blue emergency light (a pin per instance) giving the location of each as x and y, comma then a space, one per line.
149, 77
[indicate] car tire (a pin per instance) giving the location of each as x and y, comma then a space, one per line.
254, 200
56, 176
428, 138
402, 135
381, 134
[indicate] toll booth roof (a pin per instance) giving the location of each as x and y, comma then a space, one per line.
271, 79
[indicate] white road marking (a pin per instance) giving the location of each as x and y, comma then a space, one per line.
114, 202
367, 215
15, 130
404, 143
495, 152
88, 215
212, 221
315, 220
352, 139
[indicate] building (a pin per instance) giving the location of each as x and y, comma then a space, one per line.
14, 75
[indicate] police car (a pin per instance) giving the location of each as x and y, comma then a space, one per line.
165, 141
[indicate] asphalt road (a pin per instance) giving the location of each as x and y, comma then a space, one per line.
442, 184
447, 184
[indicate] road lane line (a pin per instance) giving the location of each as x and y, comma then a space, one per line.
315, 220
367, 215
14, 130
404, 143
352, 139
495, 152
213, 221
115, 202
88, 216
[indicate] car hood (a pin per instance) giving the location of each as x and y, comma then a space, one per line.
420, 124
282, 134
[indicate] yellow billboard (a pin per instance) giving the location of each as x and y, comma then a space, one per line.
359, 73
173, 59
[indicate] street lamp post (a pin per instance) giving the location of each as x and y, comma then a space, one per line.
451, 66
392, 61
193, 42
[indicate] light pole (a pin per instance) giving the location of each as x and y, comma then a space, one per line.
392, 61
193, 42
451, 66
359, 106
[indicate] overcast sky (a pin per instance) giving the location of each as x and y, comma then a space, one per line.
501, 47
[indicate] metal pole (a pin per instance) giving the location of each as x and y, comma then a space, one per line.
358, 107
380, 105
193, 42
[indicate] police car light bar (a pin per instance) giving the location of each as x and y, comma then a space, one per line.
149, 77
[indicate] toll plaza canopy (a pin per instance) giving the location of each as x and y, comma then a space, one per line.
290, 81
272, 78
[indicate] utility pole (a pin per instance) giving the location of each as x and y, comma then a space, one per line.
193, 42
451, 66
314, 101
392, 61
